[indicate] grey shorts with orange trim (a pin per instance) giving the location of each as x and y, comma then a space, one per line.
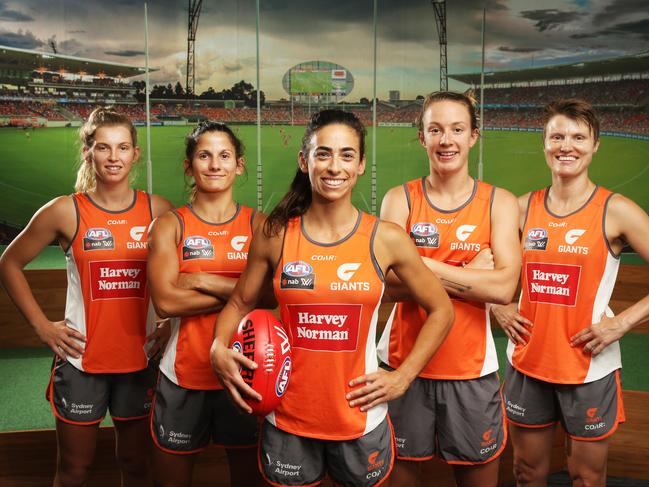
462, 422
588, 412
185, 421
83, 398
286, 459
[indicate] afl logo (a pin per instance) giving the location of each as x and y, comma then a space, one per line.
537, 234
98, 234
197, 242
424, 229
236, 346
298, 268
282, 377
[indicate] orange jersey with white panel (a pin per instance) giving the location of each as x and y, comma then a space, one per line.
217, 248
567, 279
329, 296
454, 237
107, 297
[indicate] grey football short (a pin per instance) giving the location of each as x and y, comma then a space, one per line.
290, 460
79, 397
458, 421
589, 411
187, 420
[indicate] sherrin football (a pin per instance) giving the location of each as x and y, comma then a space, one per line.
261, 337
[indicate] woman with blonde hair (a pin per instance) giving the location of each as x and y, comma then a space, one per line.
100, 361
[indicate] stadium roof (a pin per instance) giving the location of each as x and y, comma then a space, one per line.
12, 57
636, 63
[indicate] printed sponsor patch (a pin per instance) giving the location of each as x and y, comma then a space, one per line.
117, 279
325, 327
98, 239
536, 239
425, 234
552, 283
297, 275
197, 247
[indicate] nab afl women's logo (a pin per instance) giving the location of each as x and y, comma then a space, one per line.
197, 247
425, 234
282, 377
98, 239
536, 239
297, 275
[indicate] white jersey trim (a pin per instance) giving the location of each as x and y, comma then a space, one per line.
383, 349
609, 359
168, 362
490, 363
75, 308
377, 414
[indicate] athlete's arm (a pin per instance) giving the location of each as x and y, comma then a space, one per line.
395, 251
516, 326
55, 220
169, 299
159, 205
625, 222
255, 281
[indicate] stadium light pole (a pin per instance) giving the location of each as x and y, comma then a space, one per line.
480, 160
439, 6
194, 11
260, 181
149, 168
373, 171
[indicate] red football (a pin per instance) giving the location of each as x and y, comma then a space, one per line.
261, 337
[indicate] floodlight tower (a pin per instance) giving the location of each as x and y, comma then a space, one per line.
194, 12
440, 19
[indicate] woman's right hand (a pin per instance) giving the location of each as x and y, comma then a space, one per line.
227, 365
63, 340
514, 324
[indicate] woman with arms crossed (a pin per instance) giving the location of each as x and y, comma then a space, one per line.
465, 231
333, 417
197, 253
100, 359
564, 355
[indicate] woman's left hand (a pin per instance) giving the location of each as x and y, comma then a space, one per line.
598, 336
159, 338
380, 386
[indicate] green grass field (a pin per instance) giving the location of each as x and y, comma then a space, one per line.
311, 82
36, 169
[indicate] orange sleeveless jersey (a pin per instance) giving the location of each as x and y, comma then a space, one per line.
107, 298
218, 248
453, 237
568, 276
329, 296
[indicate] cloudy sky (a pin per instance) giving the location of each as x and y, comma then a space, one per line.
519, 34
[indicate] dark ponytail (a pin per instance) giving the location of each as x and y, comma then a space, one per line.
298, 198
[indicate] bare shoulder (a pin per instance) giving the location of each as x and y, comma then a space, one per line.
625, 214
59, 214
159, 205
504, 198
390, 234
523, 201
394, 206
164, 223
258, 222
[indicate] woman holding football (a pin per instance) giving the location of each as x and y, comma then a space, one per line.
326, 261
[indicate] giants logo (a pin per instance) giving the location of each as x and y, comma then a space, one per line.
425, 234
136, 234
571, 237
197, 247
98, 239
117, 279
593, 421
297, 275
238, 242
488, 442
325, 327
552, 283
282, 377
345, 272
536, 239
462, 233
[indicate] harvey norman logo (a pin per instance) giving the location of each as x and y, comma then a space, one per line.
325, 327
117, 279
552, 283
